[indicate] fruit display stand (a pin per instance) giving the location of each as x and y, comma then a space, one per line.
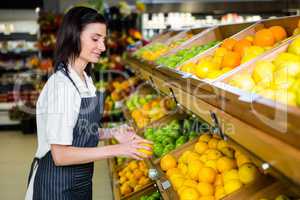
116, 186
265, 108
288, 23
217, 33
148, 56
277, 157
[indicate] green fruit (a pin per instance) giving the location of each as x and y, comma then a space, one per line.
158, 149
180, 141
168, 148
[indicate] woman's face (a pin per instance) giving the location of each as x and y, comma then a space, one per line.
92, 42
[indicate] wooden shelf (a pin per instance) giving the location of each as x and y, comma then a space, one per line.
283, 157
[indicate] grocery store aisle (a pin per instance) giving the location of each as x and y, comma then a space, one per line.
16, 151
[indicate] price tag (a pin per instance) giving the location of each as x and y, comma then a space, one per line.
165, 185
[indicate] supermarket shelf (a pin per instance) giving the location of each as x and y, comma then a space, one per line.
6, 121
282, 156
18, 36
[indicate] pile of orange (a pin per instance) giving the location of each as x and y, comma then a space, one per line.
133, 177
212, 170
233, 52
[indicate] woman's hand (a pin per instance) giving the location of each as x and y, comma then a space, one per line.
131, 149
125, 134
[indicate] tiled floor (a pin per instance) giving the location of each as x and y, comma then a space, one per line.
16, 152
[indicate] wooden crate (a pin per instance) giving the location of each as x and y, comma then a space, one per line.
170, 40
243, 193
145, 89
275, 189
146, 191
163, 37
289, 23
287, 129
116, 186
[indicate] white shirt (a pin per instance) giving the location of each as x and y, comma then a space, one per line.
57, 111
58, 107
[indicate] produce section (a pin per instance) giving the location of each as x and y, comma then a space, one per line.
219, 102
232, 158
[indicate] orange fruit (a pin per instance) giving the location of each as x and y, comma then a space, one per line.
172, 171
220, 52
194, 168
264, 38
278, 32
168, 162
201, 147
225, 164
241, 45
231, 60
205, 189
207, 175
229, 43
136, 114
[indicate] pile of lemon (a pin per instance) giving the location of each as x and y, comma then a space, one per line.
209, 172
133, 177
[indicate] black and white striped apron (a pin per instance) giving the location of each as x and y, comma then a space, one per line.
71, 182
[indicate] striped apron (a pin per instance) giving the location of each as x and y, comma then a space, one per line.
70, 182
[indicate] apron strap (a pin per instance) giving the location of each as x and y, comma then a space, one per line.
34, 162
68, 76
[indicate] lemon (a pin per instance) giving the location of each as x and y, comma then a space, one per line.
248, 173
219, 193
242, 159
243, 81
230, 175
263, 73
232, 186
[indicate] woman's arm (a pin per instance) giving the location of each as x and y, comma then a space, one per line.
68, 155
106, 133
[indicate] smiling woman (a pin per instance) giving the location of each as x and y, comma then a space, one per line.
68, 115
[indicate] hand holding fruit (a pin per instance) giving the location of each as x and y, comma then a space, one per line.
125, 133
136, 149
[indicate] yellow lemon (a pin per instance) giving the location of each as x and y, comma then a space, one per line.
242, 159
248, 172
230, 175
219, 193
232, 186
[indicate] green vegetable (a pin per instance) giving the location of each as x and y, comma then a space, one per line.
158, 149
168, 148
181, 140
